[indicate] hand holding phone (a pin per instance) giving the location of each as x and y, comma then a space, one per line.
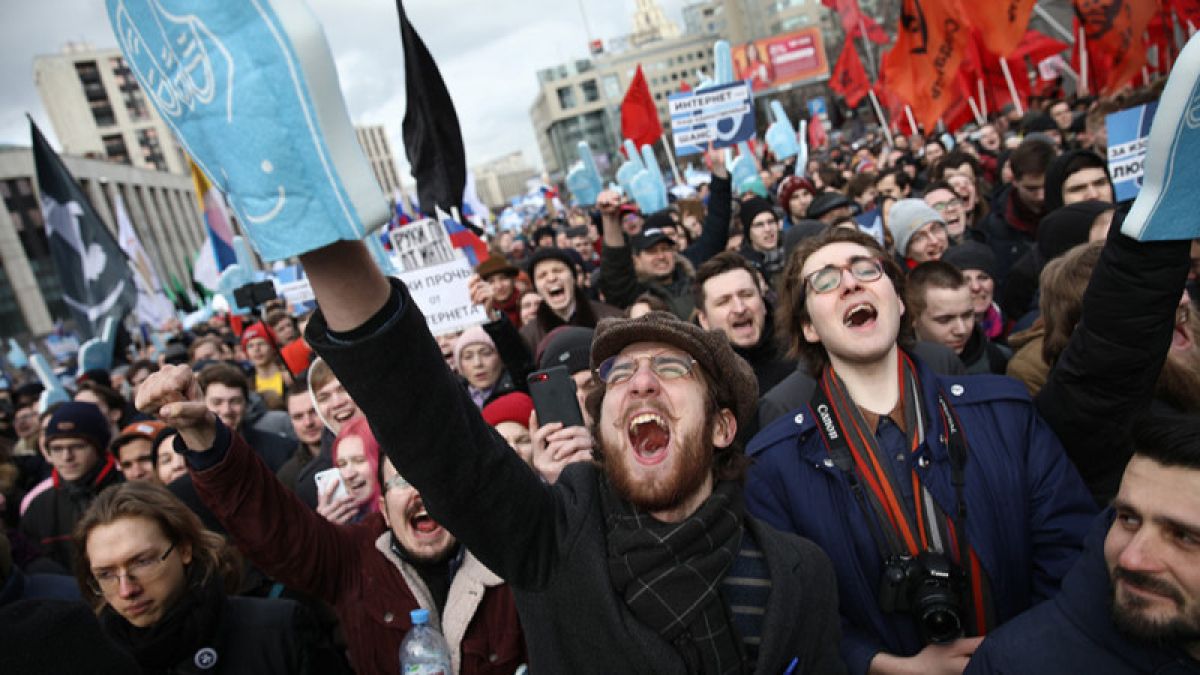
553, 394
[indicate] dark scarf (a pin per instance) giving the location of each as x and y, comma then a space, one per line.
1021, 217
188, 628
669, 574
81, 492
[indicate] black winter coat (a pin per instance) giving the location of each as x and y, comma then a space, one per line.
1108, 372
548, 541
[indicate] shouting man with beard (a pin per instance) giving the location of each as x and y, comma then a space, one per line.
373, 572
646, 562
1127, 343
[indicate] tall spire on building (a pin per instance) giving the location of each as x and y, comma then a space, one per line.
650, 24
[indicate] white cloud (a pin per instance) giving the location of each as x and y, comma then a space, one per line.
489, 52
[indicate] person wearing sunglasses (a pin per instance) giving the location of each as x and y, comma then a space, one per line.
947, 505
163, 588
373, 572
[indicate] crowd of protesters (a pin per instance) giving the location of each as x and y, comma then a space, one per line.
910, 408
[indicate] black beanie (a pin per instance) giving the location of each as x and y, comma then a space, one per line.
750, 210
658, 219
569, 346
1067, 227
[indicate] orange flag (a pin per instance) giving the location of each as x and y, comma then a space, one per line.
849, 77
1002, 23
1115, 32
922, 65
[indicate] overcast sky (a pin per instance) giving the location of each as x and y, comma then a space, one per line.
489, 52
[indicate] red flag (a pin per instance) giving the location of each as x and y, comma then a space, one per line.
639, 115
1002, 24
849, 77
922, 65
1186, 10
1115, 32
684, 87
854, 21
817, 137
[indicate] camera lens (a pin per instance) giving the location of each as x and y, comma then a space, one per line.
941, 624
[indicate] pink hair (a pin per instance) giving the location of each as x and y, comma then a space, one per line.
357, 427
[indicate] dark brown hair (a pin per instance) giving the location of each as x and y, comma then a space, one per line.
793, 311
930, 274
211, 554
1031, 158
224, 373
725, 261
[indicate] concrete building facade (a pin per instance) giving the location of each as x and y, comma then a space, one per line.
99, 111
498, 181
374, 142
162, 207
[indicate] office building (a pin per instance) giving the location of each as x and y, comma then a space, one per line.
162, 207
99, 111
375, 145
498, 181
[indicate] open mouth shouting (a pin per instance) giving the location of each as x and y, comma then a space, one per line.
556, 294
861, 315
420, 523
649, 436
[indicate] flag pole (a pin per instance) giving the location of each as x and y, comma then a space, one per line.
879, 114
671, 159
1083, 63
1049, 19
912, 122
982, 98
975, 110
1012, 88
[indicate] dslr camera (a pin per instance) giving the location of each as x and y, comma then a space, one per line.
930, 588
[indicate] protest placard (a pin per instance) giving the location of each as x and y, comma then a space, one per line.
722, 115
423, 243
441, 293
1128, 138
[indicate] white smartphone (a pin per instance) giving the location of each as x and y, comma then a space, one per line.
323, 478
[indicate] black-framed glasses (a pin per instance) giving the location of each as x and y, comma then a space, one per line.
829, 278
617, 370
140, 570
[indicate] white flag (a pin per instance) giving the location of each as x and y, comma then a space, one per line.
153, 306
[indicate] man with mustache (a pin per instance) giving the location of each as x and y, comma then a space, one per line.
946, 504
1132, 603
373, 573
645, 562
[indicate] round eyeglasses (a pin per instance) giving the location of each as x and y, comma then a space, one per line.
829, 278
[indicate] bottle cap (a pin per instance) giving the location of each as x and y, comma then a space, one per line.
419, 616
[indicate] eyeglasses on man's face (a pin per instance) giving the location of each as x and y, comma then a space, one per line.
829, 278
619, 369
140, 570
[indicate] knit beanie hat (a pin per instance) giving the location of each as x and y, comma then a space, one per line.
730, 376
790, 185
80, 419
906, 217
548, 253
569, 346
1067, 227
514, 407
470, 336
971, 255
751, 208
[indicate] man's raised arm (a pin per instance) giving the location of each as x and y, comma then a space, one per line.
348, 284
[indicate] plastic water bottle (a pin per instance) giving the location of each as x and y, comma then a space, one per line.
424, 650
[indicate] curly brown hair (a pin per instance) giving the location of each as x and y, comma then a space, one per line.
793, 311
211, 554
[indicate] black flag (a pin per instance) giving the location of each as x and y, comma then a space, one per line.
432, 137
96, 279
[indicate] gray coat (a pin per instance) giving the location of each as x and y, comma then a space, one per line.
548, 542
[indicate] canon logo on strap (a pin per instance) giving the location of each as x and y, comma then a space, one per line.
827, 421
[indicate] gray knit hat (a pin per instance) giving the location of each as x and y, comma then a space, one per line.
906, 217
733, 378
